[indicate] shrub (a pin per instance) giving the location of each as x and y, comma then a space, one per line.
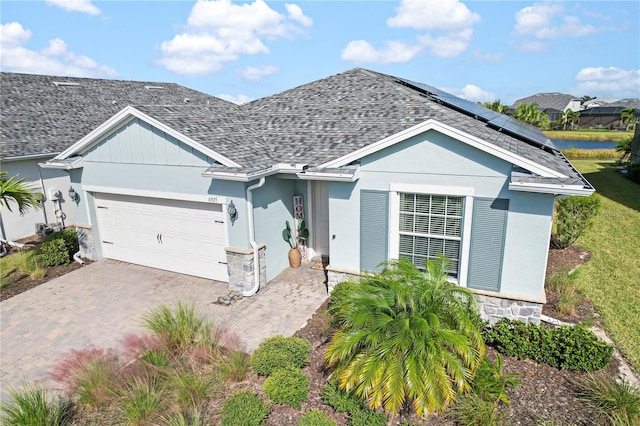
618, 402
316, 417
58, 248
395, 327
32, 405
181, 327
573, 216
288, 386
359, 413
54, 253
234, 366
490, 382
278, 352
567, 348
473, 410
244, 408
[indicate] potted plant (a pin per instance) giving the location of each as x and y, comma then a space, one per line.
294, 239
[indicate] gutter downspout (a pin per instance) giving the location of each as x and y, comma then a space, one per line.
252, 237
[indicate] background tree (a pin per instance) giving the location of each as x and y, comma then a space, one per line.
14, 190
628, 116
496, 106
572, 117
405, 336
532, 114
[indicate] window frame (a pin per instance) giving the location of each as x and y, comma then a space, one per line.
467, 193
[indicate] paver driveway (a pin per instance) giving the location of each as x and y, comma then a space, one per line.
101, 302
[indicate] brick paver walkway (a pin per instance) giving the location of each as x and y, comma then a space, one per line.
101, 302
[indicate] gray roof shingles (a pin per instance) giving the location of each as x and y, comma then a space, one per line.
310, 124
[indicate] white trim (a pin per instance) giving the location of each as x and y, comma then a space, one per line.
333, 177
550, 189
456, 191
29, 157
445, 129
205, 198
87, 207
128, 114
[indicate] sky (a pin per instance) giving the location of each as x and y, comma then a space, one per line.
241, 51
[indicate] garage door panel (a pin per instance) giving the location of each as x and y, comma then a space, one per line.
180, 236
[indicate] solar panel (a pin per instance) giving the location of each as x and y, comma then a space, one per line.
501, 122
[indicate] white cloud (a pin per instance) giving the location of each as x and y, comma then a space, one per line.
609, 82
362, 51
220, 31
449, 45
84, 6
255, 73
450, 23
236, 99
547, 21
296, 14
473, 93
442, 15
54, 59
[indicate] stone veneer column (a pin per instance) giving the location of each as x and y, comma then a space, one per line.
240, 267
86, 242
490, 308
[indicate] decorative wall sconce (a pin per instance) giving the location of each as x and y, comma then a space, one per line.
232, 211
73, 195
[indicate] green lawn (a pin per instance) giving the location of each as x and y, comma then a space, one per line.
611, 278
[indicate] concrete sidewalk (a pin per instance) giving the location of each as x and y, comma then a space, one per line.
102, 302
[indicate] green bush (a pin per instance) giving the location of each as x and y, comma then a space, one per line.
359, 413
566, 348
244, 408
490, 382
278, 352
288, 386
316, 417
58, 248
54, 252
573, 216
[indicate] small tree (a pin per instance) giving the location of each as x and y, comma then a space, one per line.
627, 116
573, 216
406, 336
17, 190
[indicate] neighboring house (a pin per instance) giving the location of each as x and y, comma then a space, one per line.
387, 168
608, 115
41, 116
551, 103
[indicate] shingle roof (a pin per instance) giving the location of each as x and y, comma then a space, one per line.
556, 101
38, 116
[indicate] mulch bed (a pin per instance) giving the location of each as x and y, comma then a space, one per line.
545, 394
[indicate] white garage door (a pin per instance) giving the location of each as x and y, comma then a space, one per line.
179, 236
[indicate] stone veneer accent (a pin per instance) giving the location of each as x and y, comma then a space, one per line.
86, 242
240, 267
491, 308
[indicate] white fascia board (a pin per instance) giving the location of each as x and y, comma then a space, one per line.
550, 189
445, 129
205, 198
282, 168
124, 116
332, 177
61, 165
29, 157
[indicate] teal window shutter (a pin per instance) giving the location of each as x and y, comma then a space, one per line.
374, 229
487, 243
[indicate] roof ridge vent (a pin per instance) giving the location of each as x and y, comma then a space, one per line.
154, 87
66, 83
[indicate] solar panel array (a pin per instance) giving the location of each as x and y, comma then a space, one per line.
501, 122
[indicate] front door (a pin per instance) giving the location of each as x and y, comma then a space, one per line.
320, 216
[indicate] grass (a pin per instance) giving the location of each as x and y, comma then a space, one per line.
26, 262
566, 287
610, 278
589, 134
618, 402
591, 154
32, 405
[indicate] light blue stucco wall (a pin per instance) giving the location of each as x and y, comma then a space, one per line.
435, 159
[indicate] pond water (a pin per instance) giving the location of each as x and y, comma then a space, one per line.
582, 144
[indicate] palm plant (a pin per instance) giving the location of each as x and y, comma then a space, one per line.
627, 116
406, 336
572, 117
18, 191
496, 106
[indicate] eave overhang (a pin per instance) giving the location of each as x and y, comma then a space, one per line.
62, 164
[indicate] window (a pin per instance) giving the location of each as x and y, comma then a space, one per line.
430, 225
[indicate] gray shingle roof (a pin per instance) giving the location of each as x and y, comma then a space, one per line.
39, 117
556, 101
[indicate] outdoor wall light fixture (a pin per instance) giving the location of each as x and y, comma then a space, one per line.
232, 211
73, 195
